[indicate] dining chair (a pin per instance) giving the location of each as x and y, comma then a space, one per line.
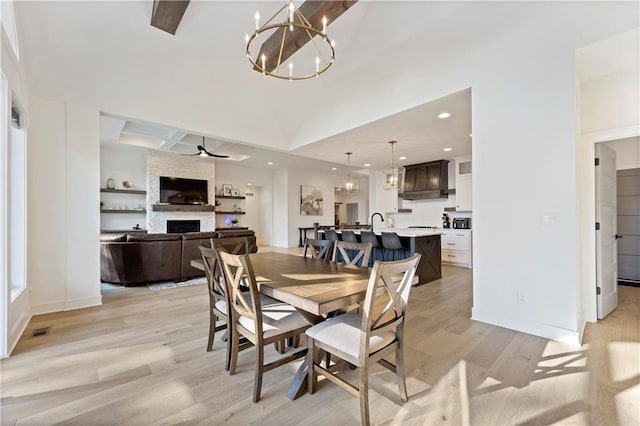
260, 324
216, 284
363, 340
318, 249
353, 253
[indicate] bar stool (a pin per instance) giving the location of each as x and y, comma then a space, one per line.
370, 237
331, 234
350, 237
391, 242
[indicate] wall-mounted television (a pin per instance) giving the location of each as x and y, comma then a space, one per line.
183, 191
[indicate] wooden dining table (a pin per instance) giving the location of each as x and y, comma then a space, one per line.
313, 287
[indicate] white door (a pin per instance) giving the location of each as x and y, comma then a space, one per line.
606, 243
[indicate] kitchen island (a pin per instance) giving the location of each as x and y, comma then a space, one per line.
424, 241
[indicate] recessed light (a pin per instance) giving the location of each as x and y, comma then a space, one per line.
270, 163
367, 165
248, 184
333, 168
402, 158
470, 134
444, 115
447, 149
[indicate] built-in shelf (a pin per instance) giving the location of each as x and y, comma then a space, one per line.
182, 208
123, 211
405, 210
449, 209
231, 197
232, 228
124, 191
223, 212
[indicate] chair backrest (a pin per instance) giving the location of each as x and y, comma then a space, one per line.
238, 273
369, 237
349, 236
217, 289
391, 240
319, 249
233, 245
352, 253
385, 303
331, 234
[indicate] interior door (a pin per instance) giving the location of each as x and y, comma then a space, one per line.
606, 242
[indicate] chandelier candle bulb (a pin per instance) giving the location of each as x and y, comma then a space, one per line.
291, 9
317, 65
264, 58
257, 16
246, 38
324, 25
290, 69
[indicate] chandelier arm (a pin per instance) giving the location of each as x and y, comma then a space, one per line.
306, 22
274, 15
312, 39
284, 36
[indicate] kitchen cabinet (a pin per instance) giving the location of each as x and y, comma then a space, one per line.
426, 180
463, 184
456, 247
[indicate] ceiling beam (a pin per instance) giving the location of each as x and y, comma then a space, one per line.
313, 11
167, 14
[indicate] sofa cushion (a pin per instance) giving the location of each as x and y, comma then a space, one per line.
199, 235
153, 237
113, 237
238, 233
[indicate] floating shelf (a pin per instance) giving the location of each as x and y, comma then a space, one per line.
449, 209
230, 197
405, 210
182, 208
223, 212
124, 191
122, 211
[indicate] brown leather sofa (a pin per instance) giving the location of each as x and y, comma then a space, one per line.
139, 258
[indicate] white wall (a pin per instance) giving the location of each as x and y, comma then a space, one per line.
64, 177
361, 198
280, 200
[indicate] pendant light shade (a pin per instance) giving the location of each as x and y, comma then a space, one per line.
350, 185
392, 174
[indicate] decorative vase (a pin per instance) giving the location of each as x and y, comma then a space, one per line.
111, 184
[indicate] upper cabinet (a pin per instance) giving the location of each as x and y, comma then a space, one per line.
426, 180
463, 184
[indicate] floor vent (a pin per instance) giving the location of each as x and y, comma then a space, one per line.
40, 332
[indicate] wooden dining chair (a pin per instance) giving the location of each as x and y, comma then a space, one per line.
260, 324
363, 340
318, 249
352, 253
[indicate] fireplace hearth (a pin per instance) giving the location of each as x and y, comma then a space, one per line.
180, 226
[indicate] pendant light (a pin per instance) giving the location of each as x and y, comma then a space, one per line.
391, 178
350, 184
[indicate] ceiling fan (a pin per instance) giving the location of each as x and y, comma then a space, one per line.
202, 151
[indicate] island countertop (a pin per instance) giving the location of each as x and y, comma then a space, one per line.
402, 232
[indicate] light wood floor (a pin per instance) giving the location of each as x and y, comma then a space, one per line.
140, 359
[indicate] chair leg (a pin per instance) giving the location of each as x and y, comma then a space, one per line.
257, 384
402, 384
234, 338
212, 330
229, 354
364, 394
311, 372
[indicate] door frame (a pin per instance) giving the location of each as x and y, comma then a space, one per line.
587, 214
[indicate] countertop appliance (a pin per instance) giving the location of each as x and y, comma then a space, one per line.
461, 223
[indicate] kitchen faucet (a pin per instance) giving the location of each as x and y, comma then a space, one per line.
376, 214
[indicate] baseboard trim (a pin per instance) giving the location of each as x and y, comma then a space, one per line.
16, 332
571, 337
66, 305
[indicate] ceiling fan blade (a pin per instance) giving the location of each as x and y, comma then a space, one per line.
216, 155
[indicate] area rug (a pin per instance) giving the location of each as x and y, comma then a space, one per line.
165, 285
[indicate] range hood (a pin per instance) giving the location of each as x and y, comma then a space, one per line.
426, 181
